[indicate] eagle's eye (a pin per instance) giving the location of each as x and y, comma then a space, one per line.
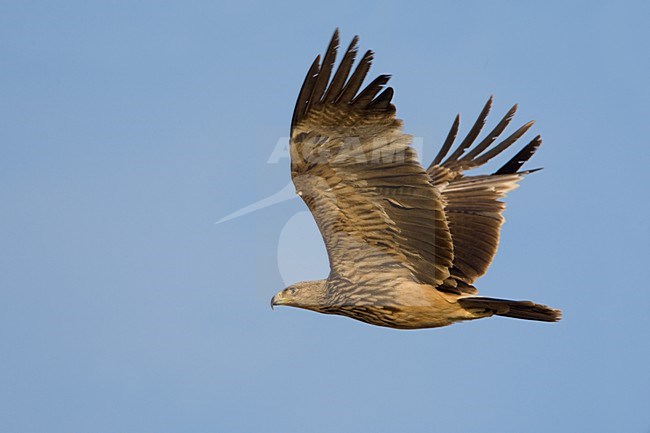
292, 291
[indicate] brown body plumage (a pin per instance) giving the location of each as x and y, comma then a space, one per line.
405, 244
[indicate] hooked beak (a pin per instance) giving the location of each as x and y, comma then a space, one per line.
276, 300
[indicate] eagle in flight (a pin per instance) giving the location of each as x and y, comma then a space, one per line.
405, 244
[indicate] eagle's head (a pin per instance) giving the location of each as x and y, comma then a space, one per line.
306, 294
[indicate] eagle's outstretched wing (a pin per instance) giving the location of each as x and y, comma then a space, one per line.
473, 208
378, 212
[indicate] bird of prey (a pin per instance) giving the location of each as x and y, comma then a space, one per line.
405, 244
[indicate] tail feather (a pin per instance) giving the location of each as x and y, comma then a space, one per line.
518, 309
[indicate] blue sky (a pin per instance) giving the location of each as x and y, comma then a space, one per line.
129, 128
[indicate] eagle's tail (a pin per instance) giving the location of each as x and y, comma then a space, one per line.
518, 309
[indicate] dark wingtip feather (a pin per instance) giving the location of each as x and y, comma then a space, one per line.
489, 139
512, 138
305, 92
341, 75
317, 93
366, 96
467, 156
451, 136
382, 102
473, 133
354, 83
521, 157
343, 87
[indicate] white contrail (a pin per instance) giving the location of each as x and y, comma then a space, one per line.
286, 193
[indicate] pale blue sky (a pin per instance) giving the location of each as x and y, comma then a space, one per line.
129, 128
